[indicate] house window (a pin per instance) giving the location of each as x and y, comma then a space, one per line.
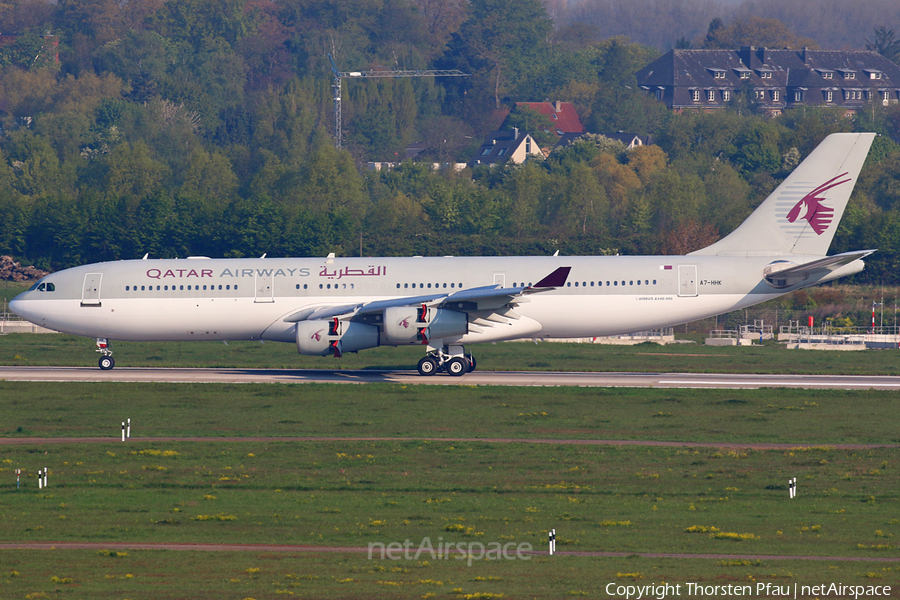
486, 151
765, 74
829, 96
720, 74
710, 95
528, 145
726, 95
870, 95
827, 75
874, 74
849, 75
502, 152
798, 96
695, 95
885, 98
659, 94
759, 94
745, 74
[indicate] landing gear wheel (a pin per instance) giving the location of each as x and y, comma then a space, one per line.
471, 359
107, 363
427, 366
458, 366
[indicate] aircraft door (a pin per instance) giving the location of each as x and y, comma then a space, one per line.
90, 293
500, 279
687, 280
265, 286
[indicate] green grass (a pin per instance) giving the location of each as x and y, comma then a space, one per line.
356, 493
599, 498
64, 350
743, 416
154, 574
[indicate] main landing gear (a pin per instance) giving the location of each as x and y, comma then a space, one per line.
106, 362
455, 362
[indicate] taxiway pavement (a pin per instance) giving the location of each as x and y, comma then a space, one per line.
505, 378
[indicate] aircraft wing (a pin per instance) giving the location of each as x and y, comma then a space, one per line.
471, 299
783, 277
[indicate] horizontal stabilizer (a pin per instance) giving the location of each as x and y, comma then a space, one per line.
784, 275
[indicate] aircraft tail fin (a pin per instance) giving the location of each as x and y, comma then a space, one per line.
802, 214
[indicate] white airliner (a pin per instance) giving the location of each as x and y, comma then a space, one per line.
336, 305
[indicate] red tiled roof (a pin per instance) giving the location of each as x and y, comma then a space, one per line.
565, 119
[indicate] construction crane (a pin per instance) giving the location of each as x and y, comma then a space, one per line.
338, 75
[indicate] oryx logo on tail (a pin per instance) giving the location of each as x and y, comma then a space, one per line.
817, 214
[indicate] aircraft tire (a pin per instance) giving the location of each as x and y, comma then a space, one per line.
458, 366
427, 366
107, 363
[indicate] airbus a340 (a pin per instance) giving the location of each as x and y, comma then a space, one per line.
335, 305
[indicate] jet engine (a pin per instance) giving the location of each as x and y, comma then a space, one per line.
321, 338
417, 325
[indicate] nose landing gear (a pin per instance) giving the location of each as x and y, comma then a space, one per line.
106, 362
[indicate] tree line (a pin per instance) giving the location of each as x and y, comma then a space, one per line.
203, 127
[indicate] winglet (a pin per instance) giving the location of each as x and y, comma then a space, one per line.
555, 279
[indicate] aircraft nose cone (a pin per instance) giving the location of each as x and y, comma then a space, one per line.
19, 306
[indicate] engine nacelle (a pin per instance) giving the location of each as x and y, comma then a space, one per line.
321, 338
417, 325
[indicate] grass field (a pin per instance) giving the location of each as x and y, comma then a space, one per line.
353, 493
57, 350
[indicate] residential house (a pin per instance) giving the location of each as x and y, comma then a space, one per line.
562, 116
503, 146
776, 79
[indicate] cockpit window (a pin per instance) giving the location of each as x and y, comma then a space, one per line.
43, 287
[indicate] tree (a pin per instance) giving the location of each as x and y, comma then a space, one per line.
498, 40
885, 44
755, 31
530, 121
688, 236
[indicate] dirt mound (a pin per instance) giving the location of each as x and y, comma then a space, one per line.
10, 270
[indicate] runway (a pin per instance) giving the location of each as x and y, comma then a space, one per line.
483, 378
